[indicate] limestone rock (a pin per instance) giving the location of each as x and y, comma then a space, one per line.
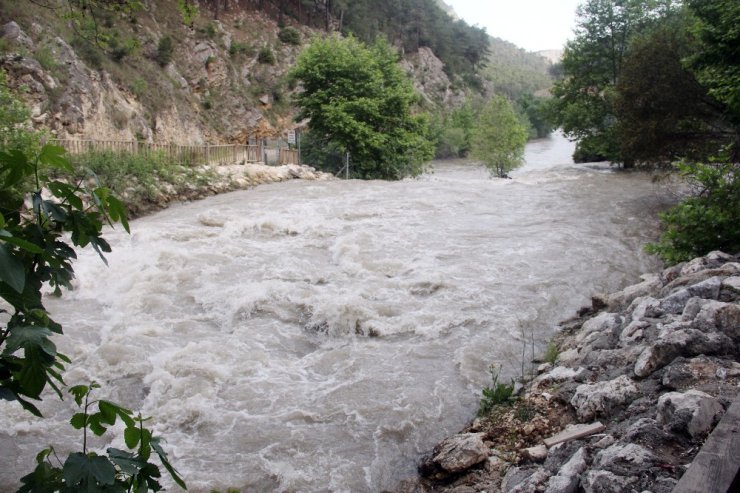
460, 452
716, 315
732, 284
525, 480
600, 481
674, 343
535, 454
603, 323
599, 398
12, 32
693, 411
567, 478
624, 459
650, 283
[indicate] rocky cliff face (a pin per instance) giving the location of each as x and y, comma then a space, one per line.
641, 379
216, 88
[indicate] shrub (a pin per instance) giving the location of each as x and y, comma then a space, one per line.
237, 48
88, 52
266, 56
499, 393
139, 87
551, 353
290, 36
709, 220
165, 49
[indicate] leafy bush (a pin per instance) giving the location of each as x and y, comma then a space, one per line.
709, 220
141, 176
499, 393
188, 11
237, 48
266, 56
290, 36
14, 131
210, 30
119, 49
88, 52
165, 49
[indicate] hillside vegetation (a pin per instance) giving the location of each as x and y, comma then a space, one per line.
215, 70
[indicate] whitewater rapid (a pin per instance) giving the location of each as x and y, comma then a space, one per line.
321, 336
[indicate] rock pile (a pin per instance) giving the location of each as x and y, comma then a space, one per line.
227, 178
656, 363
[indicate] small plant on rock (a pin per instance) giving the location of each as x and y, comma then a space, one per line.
498, 393
551, 353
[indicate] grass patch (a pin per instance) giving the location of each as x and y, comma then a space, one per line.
551, 353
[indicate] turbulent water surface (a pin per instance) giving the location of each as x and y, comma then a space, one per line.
320, 336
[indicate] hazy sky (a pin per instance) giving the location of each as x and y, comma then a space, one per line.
531, 24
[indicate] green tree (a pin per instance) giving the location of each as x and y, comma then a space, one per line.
717, 64
536, 110
358, 99
453, 130
663, 112
592, 62
499, 137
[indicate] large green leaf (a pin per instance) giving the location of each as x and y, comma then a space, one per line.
83, 471
29, 337
16, 164
126, 461
53, 156
12, 271
166, 463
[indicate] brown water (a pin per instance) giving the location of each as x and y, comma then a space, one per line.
320, 336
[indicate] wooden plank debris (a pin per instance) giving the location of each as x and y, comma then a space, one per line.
574, 433
715, 467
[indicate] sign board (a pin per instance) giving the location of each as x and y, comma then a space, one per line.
291, 136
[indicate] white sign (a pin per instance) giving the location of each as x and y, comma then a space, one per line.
291, 136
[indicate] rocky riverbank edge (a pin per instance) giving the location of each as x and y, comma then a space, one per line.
223, 179
640, 380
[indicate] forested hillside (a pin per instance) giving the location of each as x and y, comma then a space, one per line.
215, 70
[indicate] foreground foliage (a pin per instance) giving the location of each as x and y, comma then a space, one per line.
118, 471
358, 99
41, 219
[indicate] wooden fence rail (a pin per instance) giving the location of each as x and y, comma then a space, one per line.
288, 156
188, 155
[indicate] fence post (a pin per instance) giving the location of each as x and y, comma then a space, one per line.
208, 154
346, 166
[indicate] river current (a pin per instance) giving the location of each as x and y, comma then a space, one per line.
321, 336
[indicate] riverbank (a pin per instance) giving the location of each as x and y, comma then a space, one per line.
215, 180
640, 379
